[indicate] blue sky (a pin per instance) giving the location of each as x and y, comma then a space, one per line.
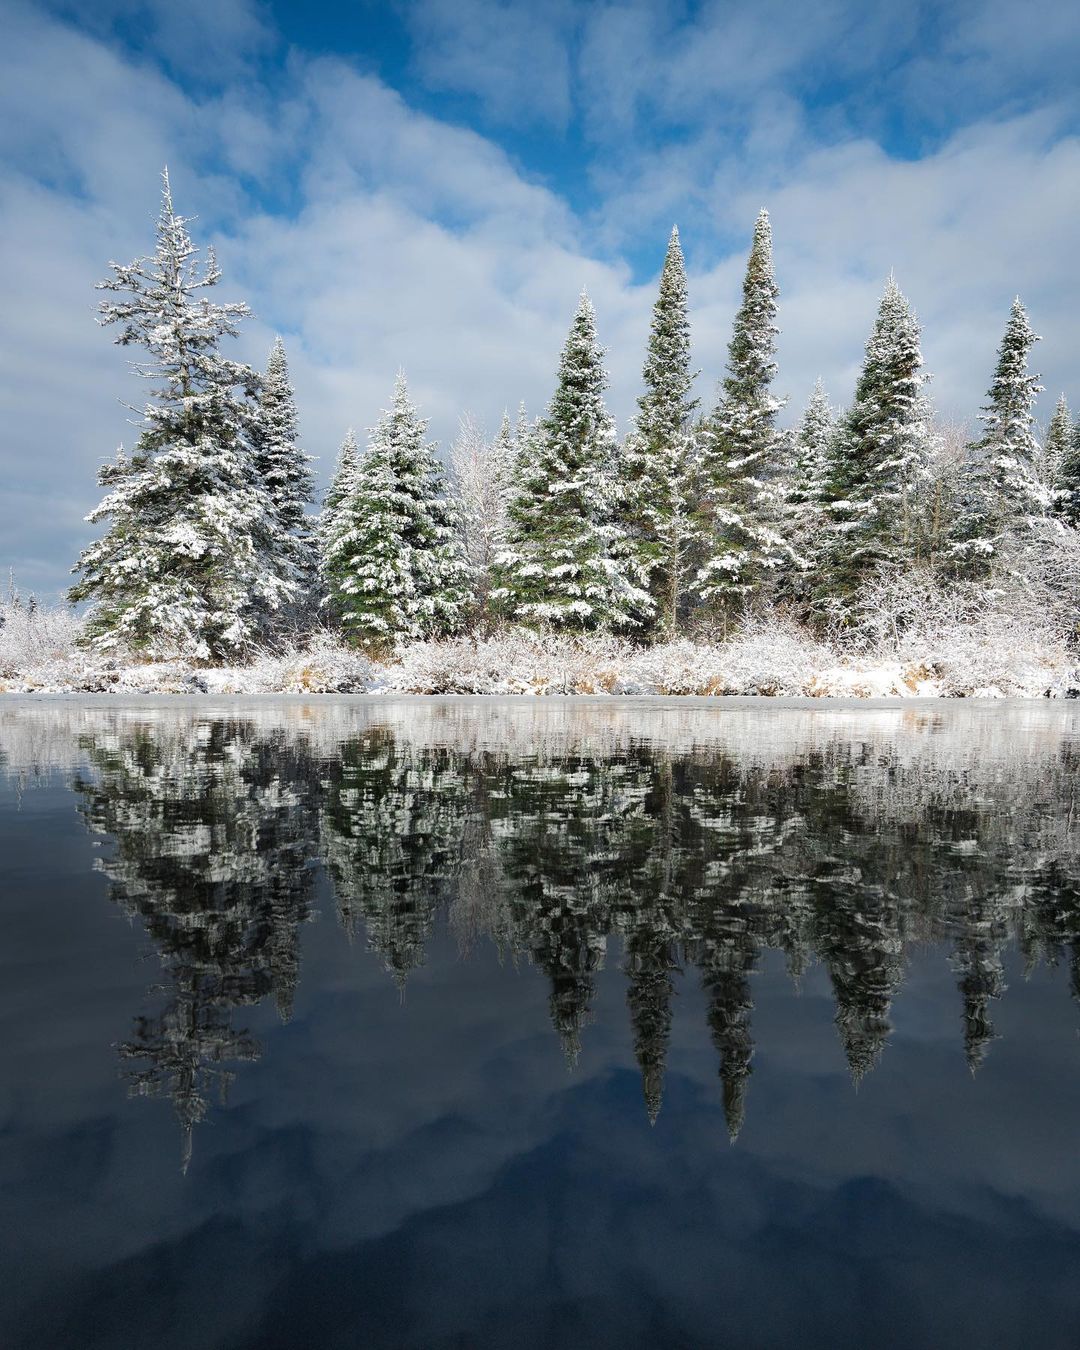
430, 184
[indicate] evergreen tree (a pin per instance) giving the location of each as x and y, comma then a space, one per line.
660, 461
878, 455
1055, 448
567, 560
331, 523
803, 489
1061, 463
187, 564
1002, 488
810, 465
392, 561
284, 468
1067, 486
742, 446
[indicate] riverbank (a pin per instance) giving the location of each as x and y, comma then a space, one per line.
765, 659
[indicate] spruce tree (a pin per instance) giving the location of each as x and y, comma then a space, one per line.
1055, 447
742, 446
567, 560
1002, 488
803, 489
810, 463
660, 467
392, 560
878, 456
331, 523
284, 468
1067, 486
187, 565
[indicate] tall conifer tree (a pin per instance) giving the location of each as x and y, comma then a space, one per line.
1067, 492
1002, 488
567, 561
803, 491
187, 565
332, 523
1055, 450
285, 470
879, 455
742, 446
660, 464
392, 560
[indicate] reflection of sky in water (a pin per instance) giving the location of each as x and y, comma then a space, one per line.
417, 1166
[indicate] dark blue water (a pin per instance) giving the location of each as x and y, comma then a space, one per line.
455, 1023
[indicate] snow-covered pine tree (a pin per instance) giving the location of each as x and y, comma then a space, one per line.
812, 440
187, 564
482, 473
802, 489
742, 447
567, 561
660, 467
392, 560
331, 523
878, 456
1056, 443
1067, 485
1002, 489
284, 468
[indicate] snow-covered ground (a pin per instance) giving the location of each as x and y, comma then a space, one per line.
992, 657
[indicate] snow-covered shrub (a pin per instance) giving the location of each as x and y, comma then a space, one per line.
764, 657
514, 662
323, 665
32, 635
38, 644
967, 640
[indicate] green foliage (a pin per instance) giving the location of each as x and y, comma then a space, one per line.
660, 462
568, 563
391, 557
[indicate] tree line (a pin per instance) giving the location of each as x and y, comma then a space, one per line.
210, 550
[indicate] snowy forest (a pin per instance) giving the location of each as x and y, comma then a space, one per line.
867, 549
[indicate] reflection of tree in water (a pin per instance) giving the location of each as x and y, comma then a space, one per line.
392, 824
837, 855
213, 834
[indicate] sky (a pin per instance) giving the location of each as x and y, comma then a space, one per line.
430, 185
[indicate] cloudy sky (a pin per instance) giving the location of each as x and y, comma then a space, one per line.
430, 184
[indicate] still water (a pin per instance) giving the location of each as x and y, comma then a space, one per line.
494, 1023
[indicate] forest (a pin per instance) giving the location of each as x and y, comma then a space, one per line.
866, 549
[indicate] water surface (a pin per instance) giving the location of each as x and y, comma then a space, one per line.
558, 1023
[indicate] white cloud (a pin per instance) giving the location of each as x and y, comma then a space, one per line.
374, 236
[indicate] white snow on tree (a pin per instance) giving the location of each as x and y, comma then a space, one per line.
803, 489
187, 565
1002, 489
331, 522
742, 446
567, 562
284, 468
483, 475
879, 455
1055, 446
660, 459
1067, 480
392, 561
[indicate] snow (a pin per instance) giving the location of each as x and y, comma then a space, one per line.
1000, 657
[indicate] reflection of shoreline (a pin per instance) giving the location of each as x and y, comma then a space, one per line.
837, 841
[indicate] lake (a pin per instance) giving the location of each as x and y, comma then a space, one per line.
425, 1023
